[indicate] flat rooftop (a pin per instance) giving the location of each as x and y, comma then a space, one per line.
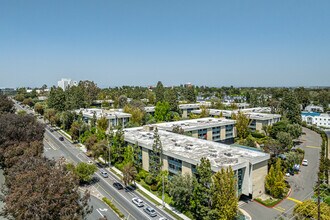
191, 149
109, 114
252, 113
193, 124
194, 105
149, 109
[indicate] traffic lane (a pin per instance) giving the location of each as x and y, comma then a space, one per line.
260, 212
82, 157
72, 154
100, 209
131, 195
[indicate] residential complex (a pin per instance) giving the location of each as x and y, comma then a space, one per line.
314, 108
317, 119
182, 153
115, 117
187, 108
212, 129
257, 119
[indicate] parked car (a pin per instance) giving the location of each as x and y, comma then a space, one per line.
287, 174
138, 202
61, 138
150, 211
305, 162
104, 173
118, 185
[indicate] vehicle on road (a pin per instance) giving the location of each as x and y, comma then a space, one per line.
104, 173
90, 162
118, 185
150, 211
61, 138
138, 202
130, 188
287, 174
305, 162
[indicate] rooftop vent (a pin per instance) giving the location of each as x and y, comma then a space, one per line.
228, 154
213, 155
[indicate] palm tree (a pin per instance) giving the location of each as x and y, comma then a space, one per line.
129, 172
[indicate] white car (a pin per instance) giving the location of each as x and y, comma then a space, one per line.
305, 162
287, 174
138, 202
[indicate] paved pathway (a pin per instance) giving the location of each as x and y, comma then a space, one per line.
301, 184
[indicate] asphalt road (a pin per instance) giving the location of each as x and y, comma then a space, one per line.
54, 148
301, 184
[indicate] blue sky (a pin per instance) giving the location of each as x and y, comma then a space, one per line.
138, 42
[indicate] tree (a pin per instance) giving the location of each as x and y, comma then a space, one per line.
137, 162
190, 94
67, 119
204, 112
128, 155
224, 198
75, 130
308, 210
6, 105
85, 172
56, 99
155, 156
28, 101
50, 115
129, 173
102, 123
75, 98
178, 129
242, 125
285, 140
290, 108
159, 91
137, 114
171, 97
295, 130
90, 141
180, 189
39, 108
201, 202
274, 181
122, 101
99, 149
90, 91
162, 111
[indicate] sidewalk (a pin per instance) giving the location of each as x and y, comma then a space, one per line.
155, 198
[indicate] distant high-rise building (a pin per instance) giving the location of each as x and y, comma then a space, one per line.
66, 83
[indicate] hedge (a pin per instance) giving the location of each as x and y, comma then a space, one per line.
268, 202
113, 207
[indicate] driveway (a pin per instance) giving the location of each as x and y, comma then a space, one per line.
301, 184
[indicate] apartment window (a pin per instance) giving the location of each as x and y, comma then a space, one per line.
202, 133
174, 165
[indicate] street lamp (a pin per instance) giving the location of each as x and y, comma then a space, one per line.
109, 153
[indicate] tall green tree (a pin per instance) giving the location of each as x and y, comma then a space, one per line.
102, 124
159, 92
129, 173
274, 182
162, 111
85, 172
56, 99
181, 189
290, 108
190, 94
171, 97
224, 197
39, 108
155, 156
201, 202
242, 125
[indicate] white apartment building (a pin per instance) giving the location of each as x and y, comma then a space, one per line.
66, 83
317, 119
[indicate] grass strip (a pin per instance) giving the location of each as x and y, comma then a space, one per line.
113, 207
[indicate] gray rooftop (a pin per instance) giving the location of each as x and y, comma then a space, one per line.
252, 113
191, 149
194, 124
194, 105
109, 114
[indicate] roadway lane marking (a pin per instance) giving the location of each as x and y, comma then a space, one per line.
295, 200
50, 144
99, 212
280, 209
313, 147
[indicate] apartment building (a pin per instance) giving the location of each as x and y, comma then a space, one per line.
188, 108
212, 129
115, 118
66, 83
257, 119
182, 153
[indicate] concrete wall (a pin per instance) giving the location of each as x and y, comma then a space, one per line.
165, 163
259, 126
184, 113
259, 172
222, 133
145, 159
209, 134
194, 134
186, 168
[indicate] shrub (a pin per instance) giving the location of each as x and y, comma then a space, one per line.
149, 180
257, 135
145, 186
142, 174
154, 187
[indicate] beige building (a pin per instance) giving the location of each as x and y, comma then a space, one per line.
257, 118
213, 129
182, 153
188, 108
